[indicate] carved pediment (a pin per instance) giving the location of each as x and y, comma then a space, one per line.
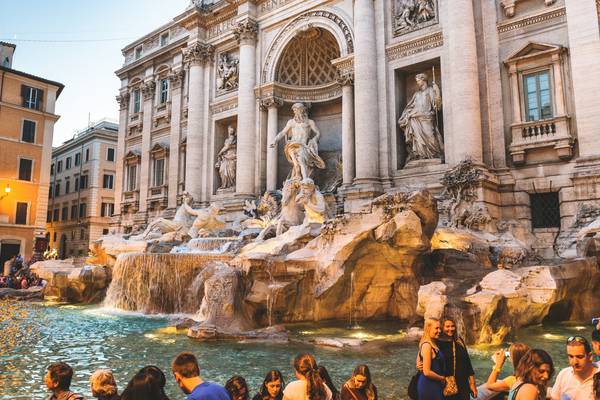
133, 156
159, 149
533, 49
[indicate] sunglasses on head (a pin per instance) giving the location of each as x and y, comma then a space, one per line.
579, 339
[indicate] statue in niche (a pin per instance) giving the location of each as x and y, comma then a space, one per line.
227, 73
419, 122
412, 13
226, 160
301, 149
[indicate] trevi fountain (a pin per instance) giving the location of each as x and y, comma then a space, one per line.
295, 275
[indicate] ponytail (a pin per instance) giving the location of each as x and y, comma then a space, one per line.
306, 366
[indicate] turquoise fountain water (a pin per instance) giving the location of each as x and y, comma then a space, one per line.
35, 335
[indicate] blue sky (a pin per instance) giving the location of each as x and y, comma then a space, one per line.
44, 31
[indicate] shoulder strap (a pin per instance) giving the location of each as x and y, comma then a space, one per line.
432, 348
514, 393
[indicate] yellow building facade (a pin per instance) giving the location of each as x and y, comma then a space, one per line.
27, 117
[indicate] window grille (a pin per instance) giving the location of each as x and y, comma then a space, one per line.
545, 210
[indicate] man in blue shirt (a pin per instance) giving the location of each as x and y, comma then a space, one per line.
187, 374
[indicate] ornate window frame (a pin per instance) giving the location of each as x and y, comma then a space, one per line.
553, 132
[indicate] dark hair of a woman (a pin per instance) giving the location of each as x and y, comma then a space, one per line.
328, 381
368, 388
306, 366
272, 376
532, 360
147, 384
517, 351
236, 386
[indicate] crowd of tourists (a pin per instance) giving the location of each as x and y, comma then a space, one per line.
17, 275
312, 382
444, 372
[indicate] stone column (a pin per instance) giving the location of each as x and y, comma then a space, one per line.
366, 93
175, 83
463, 70
148, 91
245, 33
272, 105
348, 154
123, 100
196, 56
584, 47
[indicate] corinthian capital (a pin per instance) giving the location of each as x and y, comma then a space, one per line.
176, 78
198, 53
123, 100
345, 78
246, 30
269, 102
148, 89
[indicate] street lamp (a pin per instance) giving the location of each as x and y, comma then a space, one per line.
6, 191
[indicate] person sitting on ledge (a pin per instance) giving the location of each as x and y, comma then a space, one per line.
237, 388
148, 384
359, 387
58, 380
272, 387
187, 374
103, 385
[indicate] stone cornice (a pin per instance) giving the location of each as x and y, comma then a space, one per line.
344, 65
293, 94
532, 20
198, 53
414, 46
224, 105
246, 30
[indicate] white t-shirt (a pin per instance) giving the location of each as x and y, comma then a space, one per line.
569, 387
296, 390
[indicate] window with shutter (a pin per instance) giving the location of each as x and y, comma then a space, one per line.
74, 212
21, 216
49, 216
68, 163
83, 182
67, 187
55, 215
65, 213
159, 172
28, 134
82, 210
25, 167
57, 189
32, 97
77, 159
59, 167
110, 154
87, 155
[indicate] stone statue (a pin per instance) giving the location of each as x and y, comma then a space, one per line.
411, 13
418, 120
301, 150
227, 73
207, 222
181, 222
226, 160
313, 202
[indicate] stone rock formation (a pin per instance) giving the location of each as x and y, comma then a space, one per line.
73, 283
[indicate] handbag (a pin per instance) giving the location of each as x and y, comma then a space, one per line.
413, 391
451, 388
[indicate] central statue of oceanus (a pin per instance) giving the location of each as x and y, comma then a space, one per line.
301, 149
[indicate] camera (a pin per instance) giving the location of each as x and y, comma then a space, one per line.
507, 354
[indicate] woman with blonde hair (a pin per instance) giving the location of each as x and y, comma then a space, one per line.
103, 385
431, 382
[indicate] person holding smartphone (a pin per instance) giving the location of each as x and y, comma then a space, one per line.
494, 386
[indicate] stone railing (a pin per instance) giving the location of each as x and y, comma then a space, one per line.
162, 112
158, 194
131, 200
537, 135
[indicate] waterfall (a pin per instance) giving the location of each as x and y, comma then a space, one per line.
211, 245
156, 283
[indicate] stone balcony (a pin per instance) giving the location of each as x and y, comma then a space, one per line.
158, 196
135, 123
131, 200
542, 135
162, 114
